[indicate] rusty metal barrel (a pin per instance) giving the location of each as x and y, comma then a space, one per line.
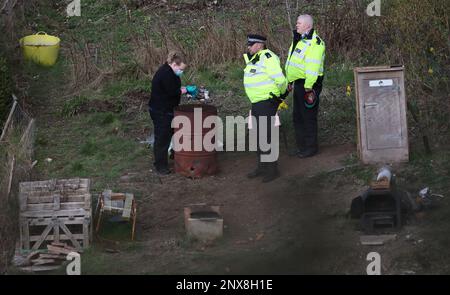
190, 159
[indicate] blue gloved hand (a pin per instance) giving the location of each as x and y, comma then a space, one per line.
192, 90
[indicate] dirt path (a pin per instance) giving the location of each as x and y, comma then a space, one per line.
295, 225
284, 221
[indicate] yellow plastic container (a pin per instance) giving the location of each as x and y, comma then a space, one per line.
41, 48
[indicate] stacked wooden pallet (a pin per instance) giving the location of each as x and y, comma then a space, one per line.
52, 259
55, 211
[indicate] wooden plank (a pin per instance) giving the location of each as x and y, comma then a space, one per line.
62, 237
58, 250
56, 230
33, 255
374, 69
26, 235
11, 174
8, 121
58, 244
49, 186
358, 115
61, 213
57, 203
127, 206
376, 240
23, 201
52, 182
117, 196
40, 268
43, 261
64, 190
52, 256
86, 233
43, 236
382, 184
65, 220
38, 193
49, 190
69, 234
75, 198
51, 206
72, 249
107, 198
87, 201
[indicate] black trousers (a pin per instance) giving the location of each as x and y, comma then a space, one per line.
305, 119
264, 111
163, 134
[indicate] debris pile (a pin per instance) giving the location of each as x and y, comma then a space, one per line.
47, 260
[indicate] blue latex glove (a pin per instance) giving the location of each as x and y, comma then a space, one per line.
192, 90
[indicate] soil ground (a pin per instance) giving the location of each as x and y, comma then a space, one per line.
297, 224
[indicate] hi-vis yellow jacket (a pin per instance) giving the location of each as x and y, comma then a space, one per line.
306, 60
263, 75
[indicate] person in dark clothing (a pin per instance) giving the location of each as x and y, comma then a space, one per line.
165, 96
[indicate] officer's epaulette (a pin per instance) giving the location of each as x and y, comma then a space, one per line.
318, 40
268, 55
256, 59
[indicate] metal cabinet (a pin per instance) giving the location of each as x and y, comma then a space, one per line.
381, 107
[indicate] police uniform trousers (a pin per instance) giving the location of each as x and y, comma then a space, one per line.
264, 110
305, 119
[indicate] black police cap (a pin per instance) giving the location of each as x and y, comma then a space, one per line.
254, 38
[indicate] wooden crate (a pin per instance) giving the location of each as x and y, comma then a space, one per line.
381, 114
55, 210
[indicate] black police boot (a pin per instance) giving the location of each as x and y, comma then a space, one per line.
259, 171
271, 172
294, 153
307, 154
162, 170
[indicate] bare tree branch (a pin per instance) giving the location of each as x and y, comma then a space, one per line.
4, 6
288, 11
7, 7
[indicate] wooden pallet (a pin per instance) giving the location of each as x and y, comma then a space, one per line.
55, 210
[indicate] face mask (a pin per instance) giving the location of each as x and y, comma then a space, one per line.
179, 73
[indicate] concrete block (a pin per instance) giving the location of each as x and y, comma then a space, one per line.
203, 222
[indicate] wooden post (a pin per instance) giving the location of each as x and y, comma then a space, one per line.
86, 232
56, 230
11, 173
8, 121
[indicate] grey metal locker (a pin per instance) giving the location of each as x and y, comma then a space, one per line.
381, 113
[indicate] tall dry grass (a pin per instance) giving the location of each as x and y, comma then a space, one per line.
414, 33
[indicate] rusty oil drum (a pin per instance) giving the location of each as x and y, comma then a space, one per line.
191, 163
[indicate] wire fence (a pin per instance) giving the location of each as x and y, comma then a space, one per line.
16, 154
